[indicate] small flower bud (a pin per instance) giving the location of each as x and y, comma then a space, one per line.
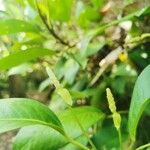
117, 120
111, 102
123, 56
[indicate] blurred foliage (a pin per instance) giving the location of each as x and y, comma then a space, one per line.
89, 44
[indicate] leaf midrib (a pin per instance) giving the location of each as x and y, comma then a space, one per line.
36, 121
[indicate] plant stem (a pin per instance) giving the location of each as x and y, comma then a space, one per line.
51, 29
76, 143
120, 112
120, 138
138, 38
131, 145
143, 146
115, 22
57, 86
99, 30
82, 129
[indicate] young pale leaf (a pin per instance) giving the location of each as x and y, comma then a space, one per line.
42, 138
23, 68
140, 99
52, 77
64, 93
20, 57
19, 112
16, 26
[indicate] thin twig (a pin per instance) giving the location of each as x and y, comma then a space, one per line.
71, 140
143, 146
51, 30
82, 128
120, 112
120, 138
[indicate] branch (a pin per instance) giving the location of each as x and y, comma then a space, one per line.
51, 30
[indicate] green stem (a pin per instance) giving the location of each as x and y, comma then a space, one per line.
51, 29
76, 143
82, 129
138, 38
102, 28
131, 145
120, 112
120, 138
115, 22
143, 146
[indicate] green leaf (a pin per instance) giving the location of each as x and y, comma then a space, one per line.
71, 68
38, 137
44, 85
19, 57
93, 49
15, 26
19, 112
140, 99
21, 69
64, 93
98, 3
107, 136
52, 77
88, 16
60, 10
81, 139
42, 138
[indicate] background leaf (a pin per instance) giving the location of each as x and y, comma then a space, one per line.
19, 57
60, 10
15, 26
140, 99
102, 138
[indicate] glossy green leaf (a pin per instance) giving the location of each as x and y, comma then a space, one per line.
19, 112
38, 137
20, 57
42, 138
140, 99
16, 26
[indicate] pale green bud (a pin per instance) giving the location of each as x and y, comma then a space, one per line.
52, 77
111, 102
117, 120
